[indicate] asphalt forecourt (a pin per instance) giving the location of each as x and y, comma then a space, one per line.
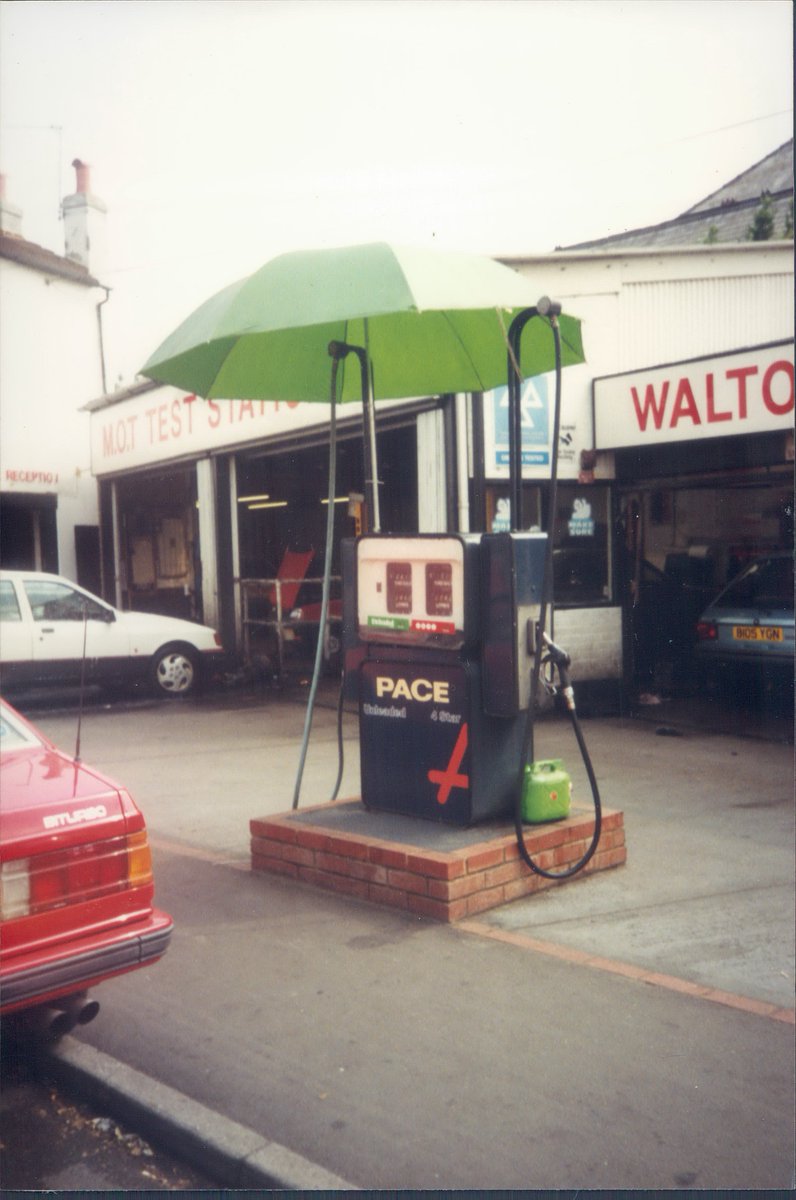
396, 1051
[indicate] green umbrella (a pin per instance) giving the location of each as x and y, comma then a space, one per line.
430, 322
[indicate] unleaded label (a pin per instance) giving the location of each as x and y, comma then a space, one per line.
388, 622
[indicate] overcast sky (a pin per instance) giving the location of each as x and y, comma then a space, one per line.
220, 133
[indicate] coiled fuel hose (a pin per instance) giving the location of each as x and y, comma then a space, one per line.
548, 653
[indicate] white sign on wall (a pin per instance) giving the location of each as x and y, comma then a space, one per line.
165, 423
748, 391
537, 398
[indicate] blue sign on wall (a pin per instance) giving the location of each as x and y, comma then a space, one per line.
534, 420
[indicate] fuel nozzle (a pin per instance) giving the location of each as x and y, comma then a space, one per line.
560, 661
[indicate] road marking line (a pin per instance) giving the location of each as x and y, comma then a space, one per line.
758, 1008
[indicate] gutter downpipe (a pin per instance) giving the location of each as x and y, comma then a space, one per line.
107, 292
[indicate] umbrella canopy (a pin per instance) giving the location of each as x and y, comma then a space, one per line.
431, 322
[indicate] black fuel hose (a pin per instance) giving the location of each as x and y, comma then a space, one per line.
337, 352
340, 752
559, 660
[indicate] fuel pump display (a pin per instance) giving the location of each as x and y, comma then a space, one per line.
440, 624
410, 590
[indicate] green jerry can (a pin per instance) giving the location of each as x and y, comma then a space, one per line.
546, 792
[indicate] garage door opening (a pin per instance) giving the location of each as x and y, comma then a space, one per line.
158, 529
281, 518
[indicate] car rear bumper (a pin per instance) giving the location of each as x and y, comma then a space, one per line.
40, 976
727, 655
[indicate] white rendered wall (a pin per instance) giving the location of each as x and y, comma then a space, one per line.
644, 308
593, 638
49, 368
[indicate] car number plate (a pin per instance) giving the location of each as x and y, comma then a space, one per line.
757, 633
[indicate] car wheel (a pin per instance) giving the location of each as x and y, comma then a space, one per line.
175, 671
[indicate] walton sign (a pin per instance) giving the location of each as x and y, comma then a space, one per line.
748, 391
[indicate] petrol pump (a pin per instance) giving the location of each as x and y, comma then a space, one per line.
440, 629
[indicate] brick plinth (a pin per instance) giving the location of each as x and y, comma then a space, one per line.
448, 884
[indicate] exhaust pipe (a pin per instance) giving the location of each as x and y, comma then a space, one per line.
57, 1024
53, 1021
76, 1010
88, 1012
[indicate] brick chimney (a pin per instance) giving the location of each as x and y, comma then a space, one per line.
10, 215
84, 223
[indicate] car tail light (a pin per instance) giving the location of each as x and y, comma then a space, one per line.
74, 875
707, 631
14, 889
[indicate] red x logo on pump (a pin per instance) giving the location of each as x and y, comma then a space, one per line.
452, 777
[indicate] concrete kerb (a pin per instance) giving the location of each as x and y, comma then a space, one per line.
234, 1155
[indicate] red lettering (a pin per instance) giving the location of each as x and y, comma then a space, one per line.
176, 423
246, 409
33, 476
119, 436
685, 404
213, 414
650, 405
188, 402
741, 374
712, 414
785, 405
163, 433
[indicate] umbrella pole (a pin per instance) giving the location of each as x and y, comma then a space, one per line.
370, 450
369, 437
372, 458
338, 351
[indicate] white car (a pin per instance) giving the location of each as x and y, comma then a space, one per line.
54, 632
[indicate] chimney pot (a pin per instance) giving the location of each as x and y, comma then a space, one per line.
83, 172
84, 223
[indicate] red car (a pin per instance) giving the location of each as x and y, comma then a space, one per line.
76, 885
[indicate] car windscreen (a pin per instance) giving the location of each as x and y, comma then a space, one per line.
13, 734
53, 601
9, 605
767, 584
